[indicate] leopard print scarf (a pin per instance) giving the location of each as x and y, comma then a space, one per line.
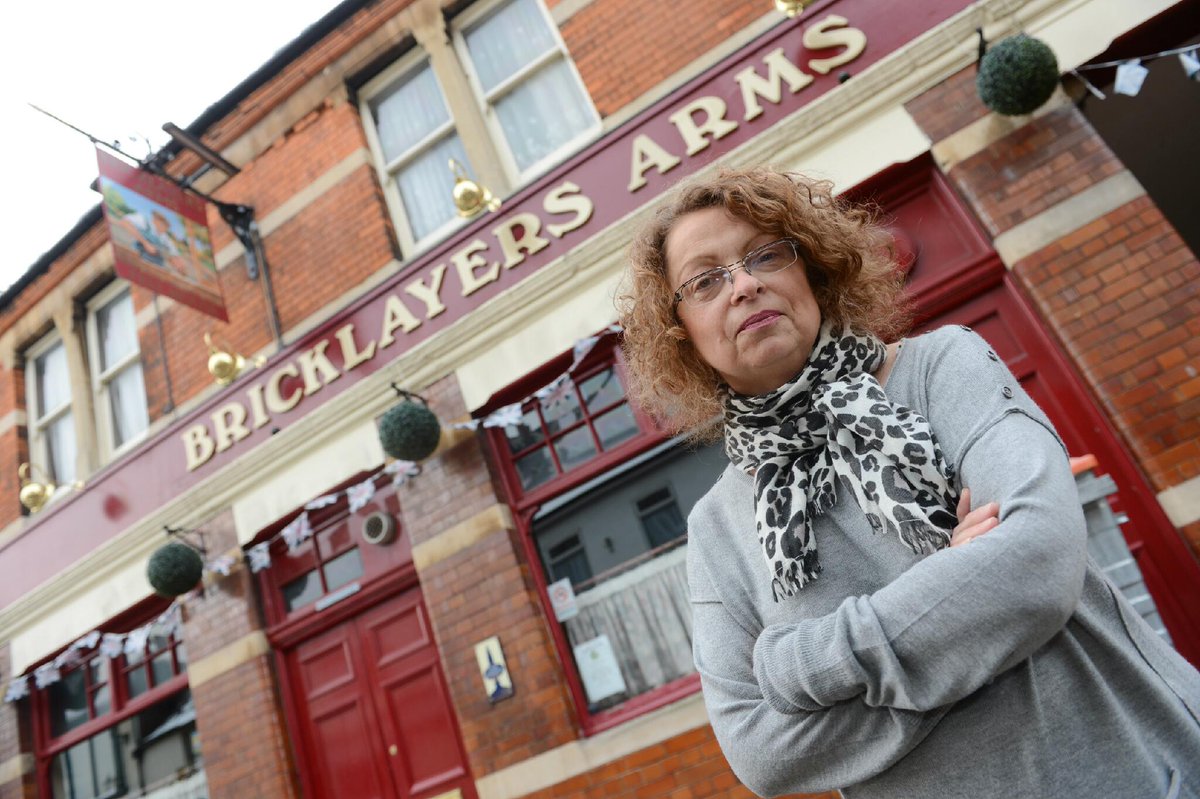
833, 420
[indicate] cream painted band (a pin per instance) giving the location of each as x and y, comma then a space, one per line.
986, 131
461, 536
1069, 215
14, 768
14, 418
243, 650
579, 757
298, 202
1182, 502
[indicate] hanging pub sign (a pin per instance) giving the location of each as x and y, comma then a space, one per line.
160, 236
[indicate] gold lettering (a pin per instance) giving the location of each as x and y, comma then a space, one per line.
769, 88
430, 295
832, 32
275, 402
714, 123
351, 355
198, 445
648, 153
314, 361
396, 316
467, 260
229, 425
529, 241
566, 199
256, 405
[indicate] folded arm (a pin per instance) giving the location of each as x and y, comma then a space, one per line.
961, 616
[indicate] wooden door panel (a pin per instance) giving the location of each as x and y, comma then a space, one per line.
413, 702
426, 732
345, 763
342, 745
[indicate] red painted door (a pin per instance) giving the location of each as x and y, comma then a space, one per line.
1002, 317
375, 715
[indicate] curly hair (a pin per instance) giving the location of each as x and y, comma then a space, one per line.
847, 254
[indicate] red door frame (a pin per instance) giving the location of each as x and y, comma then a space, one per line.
285, 634
1168, 566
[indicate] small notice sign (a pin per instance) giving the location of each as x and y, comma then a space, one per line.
599, 669
562, 599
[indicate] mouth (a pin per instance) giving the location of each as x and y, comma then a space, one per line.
760, 319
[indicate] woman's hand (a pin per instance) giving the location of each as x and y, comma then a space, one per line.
973, 523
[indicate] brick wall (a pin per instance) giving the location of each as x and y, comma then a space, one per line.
1119, 290
481, 591
623, 48
688, 766
238, 714
14, 444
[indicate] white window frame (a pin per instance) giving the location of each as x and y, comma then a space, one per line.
407, 66
101, 379
486, 100
38, 446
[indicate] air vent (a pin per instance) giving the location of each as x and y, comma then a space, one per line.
379, 528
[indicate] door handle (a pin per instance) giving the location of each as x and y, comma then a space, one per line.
393, 750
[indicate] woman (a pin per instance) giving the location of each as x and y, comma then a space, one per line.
850, 632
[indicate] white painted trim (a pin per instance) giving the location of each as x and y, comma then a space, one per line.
16, 767
14, 418
1182, 502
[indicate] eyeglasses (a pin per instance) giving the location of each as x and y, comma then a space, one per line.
766, 260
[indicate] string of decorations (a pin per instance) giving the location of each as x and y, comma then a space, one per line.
293, 534
510, 415
1132, 72
110, 645
300, 529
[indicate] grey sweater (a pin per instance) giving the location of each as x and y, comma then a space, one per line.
1009, 667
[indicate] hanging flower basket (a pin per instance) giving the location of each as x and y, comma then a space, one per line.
410, 431
1017, 75
174, 569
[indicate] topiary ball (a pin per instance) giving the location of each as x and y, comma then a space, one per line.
174, 569
409, 431
1017, 75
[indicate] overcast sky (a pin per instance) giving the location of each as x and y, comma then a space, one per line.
119, 71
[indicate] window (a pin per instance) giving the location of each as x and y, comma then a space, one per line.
627, 527
122, 726
116, 367
586, 416
52, 444
602, 500
416, 139
321, 570
506, 82
528, 86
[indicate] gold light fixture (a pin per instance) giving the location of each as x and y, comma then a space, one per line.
34, 495
470, 198
792, 7
224, 364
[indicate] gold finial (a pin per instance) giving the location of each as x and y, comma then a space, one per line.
792, 7
34, 495
470, 197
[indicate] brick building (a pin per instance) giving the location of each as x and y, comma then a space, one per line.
352, 668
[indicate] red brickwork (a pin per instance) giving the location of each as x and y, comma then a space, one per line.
238, 715
948, 107
478, 592
623, 49
14, 444
15, 738
688, 766
1049, 159
1122, 292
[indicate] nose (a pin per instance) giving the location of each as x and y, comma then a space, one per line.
745, 284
